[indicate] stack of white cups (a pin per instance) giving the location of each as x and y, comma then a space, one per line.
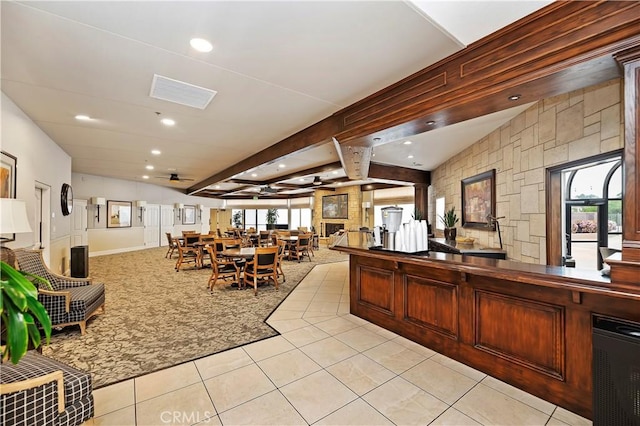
412, 237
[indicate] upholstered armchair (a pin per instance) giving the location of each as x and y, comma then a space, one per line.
42, 391
72, 300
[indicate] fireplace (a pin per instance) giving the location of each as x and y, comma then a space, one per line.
331, 228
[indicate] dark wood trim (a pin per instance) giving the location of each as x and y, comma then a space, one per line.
554, 219
562, 47
397, 173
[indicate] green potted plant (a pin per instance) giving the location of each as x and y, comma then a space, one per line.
19, 310
272, 218
449, 221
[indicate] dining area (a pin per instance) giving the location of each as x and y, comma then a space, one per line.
240, 260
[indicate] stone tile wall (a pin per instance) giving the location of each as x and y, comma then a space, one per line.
554, 131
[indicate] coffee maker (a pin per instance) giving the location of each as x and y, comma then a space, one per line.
391, 221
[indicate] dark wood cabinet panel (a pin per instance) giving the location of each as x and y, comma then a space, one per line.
431, 304
521, 330
375, 288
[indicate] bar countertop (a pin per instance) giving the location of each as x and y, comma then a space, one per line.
581, 280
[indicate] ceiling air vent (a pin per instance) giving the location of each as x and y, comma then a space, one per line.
180, 92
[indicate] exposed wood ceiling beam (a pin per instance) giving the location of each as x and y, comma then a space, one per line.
315, 135
402, 174
561, 47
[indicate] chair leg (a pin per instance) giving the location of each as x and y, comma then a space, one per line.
255, 284
83, 327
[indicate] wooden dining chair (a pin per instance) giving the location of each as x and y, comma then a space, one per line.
221, 267
172, 245
263, 238
186, 254
301, 248
263, 266
282, 246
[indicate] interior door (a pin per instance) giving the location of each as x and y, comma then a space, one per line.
166, 223
152, 226
79, 234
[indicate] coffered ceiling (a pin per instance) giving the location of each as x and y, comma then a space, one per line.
277, 68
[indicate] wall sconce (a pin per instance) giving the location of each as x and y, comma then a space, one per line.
141, 204
179, 207
199, 208
98, 201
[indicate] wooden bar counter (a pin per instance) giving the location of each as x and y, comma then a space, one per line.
528, 325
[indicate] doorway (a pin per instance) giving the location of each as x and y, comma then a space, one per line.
589, 195
151, 225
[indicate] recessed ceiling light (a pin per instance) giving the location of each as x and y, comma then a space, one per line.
217, 186
282, 166
148, 167
514, 97
156, 152
168, 122
201, 45
410, 156
83, 117
407, 142
301, 179
339, 183
377, 139
145, 177
430, 123
335, 172
254, 175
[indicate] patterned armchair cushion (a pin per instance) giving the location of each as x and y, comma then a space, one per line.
31, 405
31, 261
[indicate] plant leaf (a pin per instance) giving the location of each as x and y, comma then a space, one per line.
17, 297
17, 335
41, 314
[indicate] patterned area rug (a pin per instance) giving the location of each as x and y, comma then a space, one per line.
156, 317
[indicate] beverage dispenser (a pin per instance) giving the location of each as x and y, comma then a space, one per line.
391, 221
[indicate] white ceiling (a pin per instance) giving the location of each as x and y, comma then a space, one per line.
278, 67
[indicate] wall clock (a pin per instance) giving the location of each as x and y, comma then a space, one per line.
66, 199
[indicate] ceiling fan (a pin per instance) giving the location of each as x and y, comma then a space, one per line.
267, 189
173, 177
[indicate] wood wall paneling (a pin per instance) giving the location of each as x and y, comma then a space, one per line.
376, 288
521, 330
431, 304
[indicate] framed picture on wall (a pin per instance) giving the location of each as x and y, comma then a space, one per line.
335, 206
8, 184
8, 176
189, 215
479, 200
119, 214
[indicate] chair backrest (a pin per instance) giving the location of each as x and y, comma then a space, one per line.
191, 238
169, 238
303, 240
265, 258
31, 261
218, 233
294, 232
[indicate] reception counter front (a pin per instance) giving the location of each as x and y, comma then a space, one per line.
528, 325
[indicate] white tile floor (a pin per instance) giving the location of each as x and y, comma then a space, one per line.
327, 368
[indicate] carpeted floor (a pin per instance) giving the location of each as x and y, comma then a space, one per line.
156, 317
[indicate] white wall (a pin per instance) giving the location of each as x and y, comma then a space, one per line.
39, 159
103, 240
